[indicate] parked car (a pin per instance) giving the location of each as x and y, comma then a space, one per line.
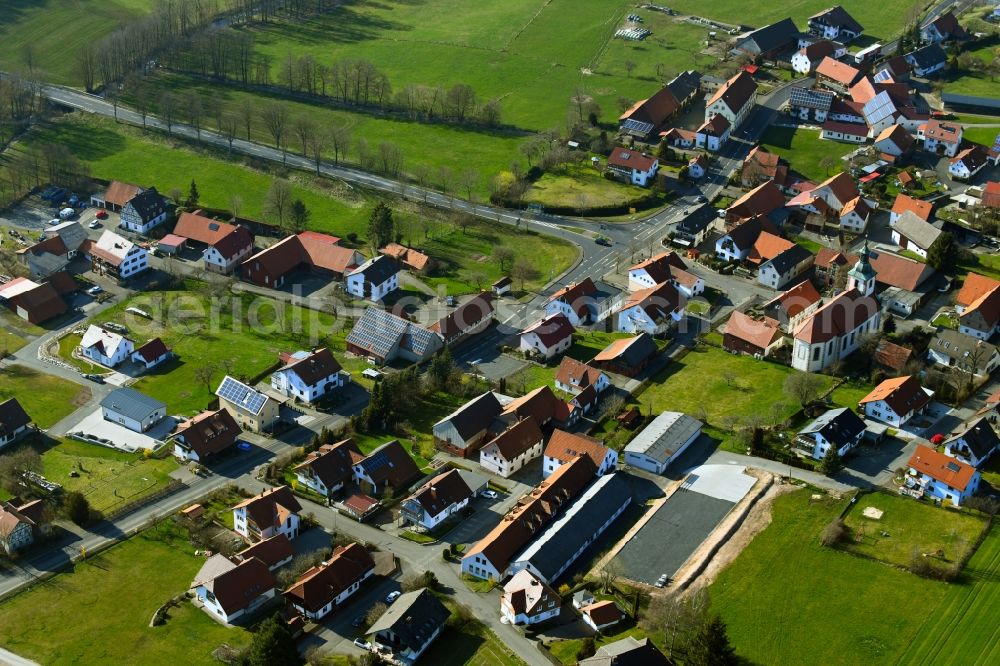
662, 580
362, 643
359, 621
603, 240
94, 224
392, 596
97, 379
490, 494
102, 215
702, 199
54, 221
96, 289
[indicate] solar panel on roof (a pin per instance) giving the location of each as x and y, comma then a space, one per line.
879, 108
241, 395
637, 126
952, 467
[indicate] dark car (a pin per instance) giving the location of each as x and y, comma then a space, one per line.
359, 621
603, 240
94, 378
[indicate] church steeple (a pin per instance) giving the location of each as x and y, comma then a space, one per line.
862, 276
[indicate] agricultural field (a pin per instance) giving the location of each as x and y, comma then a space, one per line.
805, 152
880, 610
580, 187
46, 398
105, 605
108, 478
962, 629
881, 19
15, 332
251, 330
908, 527
47, 36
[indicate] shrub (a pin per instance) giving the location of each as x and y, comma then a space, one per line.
835, 533
587, 648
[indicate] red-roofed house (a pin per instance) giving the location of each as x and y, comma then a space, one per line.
528, 600
326, 587
905, 202
574, 376
760, 166
836, 75
941, 136
151, 354
762, 200
116, 196
939, 476
601, 615
229, 591
895, 401
991, 195
513, 448
273, 511
318, 252
654, 311
564, 446
665, 267
834, 331
633, 166
713, 133
206, 435
943, 28
733, 100
836, 130
756, 337
576, 301
791, 307
548, 337
978, 306
894, 140
968, 162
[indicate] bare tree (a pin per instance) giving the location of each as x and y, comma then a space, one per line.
805, 387
235, 205
87, 64
230, 125
278, 202
468, 180
167, 108
246, 112
340, 139
318, 142
203, 374
275, 117
195, 112
113, 95
503, 255
629, 68
303, 128
522, 270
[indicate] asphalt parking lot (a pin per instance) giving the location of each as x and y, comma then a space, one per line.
671, 535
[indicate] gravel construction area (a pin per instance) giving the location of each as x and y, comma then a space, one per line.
671, 535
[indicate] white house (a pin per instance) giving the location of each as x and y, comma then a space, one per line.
409, 626
572, 376
105, 347
904, 203
785, 267
713, 133
564, 446
114, 255
436, 501
326, 587
665, 267
943, 28
810, 55
601, 615
969, 162
225, 254
308, 376
974, 446
134, 410
273, 511
18, 525
914, 234
375, 279
734, 100
839, 428
633, 166
966, 353
329, 468
230, 591
528, 600
512, 449
655, 310
14, 421
206, 435
662, 441
548, 337
151, 354
145, 210
941, 136
835, 23
855, 214
895, 401
697, 167
941, 477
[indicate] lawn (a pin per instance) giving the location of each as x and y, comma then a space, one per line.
470, 646
945, 321
105, 605
805, 151
984, 264
698, 382
977, 83
809, 244
962, 629
565, 650
53, 32
10, 342
15, 332
580, 187
47, 399
985, 136
585, 347
241, 337
107, 477
789, 600
849, 394
883, 19
909, 526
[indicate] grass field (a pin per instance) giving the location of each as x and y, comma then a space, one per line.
697, 382
114, 151
470, 647
977, 83
582, 187
984, 264
105, 605
882, 19
585, 346
106, 477
240, 344
912, 527
962, 628
829, 607
53, 32
47, 399
804, 151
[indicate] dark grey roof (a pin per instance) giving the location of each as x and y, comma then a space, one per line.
378, 269
413, 618
148, 204
629, 651
662, 438
838, 426
836, 17
12, 417
475, 415
961, 348
927, 56
560, 541
694, 224
981, 438
790, 258
771, 37
685, 84
379, 332
131, 404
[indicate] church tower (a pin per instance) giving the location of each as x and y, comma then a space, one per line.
862, 276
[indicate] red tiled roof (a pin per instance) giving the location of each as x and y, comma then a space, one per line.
893, 356
551, 330
564, 446
210, 432
921, 209
991, 194
575, 295
902, 394
119, 193
796, 299
735, 92
201, 229
946, 131
761, 200
653, 110
714, 126
603, 613
768, 246
974, 288
270, 551
239, 587
573, 372
759, 333
516, 439
853, 129
152, 350
320, 585
840, 72
938, 466
233, 243
413, 259
838, 317
628, 158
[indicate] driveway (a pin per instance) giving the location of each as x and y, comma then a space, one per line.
94, 425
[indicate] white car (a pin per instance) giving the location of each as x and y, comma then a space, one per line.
96, 289
362, 643
94, 224
490, 494
392, 596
